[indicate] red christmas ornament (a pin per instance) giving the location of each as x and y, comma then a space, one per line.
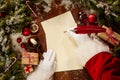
23, 45
26, 31
92, 18
19, 40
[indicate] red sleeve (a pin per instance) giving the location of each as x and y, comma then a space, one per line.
104, 66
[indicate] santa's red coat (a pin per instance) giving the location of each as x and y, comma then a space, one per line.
104, 66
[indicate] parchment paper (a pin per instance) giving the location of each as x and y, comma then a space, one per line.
60, 42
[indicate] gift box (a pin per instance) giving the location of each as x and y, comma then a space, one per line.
28, 69
30, 58
110, 36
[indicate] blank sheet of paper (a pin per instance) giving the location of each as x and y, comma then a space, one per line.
60, 42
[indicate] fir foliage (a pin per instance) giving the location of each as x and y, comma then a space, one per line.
15, 13
107, 12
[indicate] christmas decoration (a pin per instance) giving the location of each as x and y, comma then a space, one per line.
30, 58
19, 40
14, 16
22, 45
28, 69
33, 41
92, 18
41, 38
13, 62
34, 28
33, 44
110, 36
26, 31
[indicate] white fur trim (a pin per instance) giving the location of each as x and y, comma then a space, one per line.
89, 49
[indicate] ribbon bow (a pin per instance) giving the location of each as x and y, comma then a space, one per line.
28, 69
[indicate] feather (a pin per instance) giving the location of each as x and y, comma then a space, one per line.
88, 29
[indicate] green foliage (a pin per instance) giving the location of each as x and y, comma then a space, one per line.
15, 70
15, 14
4, 4
109, 17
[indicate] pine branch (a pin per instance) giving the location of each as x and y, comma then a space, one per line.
5, 5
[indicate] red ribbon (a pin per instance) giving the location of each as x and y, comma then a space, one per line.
29, 57
111, 36
28, 69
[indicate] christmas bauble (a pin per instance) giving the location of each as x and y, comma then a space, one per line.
34, 28
19, 40
22, 45
26, 31
92, 18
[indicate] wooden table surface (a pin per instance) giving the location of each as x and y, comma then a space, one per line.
57, 9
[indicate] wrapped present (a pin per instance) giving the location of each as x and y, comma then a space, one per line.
30, 58
28, 69
110, 36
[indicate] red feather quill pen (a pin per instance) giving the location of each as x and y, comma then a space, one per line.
88, 29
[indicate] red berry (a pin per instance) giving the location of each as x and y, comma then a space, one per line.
92, 18
26, 31
23, 45
19, 40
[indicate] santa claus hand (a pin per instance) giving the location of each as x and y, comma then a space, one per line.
46, 68
79, 38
